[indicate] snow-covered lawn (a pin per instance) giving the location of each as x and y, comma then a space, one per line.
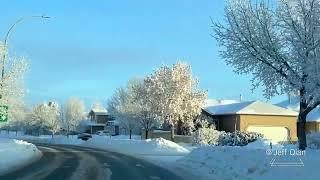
16, 153
252, 162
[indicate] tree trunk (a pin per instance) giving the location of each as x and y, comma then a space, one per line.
130, 133
147, 133
172, 133
301, 128
179, 127
68, 129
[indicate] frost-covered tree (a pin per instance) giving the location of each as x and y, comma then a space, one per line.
73, 113
279, 44
19, 122
145, 106
176, 95
53, 120
12, 89
45, 117
123, 108
170, 94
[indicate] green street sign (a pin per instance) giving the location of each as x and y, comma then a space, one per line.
3, 113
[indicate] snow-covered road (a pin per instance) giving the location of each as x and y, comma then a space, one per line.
73, 162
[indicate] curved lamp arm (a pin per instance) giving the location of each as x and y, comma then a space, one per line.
7, 36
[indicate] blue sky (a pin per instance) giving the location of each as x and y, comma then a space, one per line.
89, 48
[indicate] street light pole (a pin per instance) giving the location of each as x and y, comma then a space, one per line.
7, 35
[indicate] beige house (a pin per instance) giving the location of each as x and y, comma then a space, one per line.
274, 122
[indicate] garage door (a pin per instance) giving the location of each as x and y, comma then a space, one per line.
275, 134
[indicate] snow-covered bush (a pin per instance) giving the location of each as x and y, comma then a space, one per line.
204, 136
203, 121
313, 140
238, 138
211, 136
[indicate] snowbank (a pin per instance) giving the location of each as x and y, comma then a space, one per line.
213, 162
121, 144
159, 147
16, 153
47, 139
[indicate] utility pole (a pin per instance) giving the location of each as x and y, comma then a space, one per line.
7, 36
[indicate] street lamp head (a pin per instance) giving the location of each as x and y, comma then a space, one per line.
45, 17
38, 16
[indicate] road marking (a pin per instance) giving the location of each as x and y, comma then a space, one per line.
154, 177
139, 165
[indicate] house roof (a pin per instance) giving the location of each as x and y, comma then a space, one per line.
250, 107
99, 111
212, 102
294, 104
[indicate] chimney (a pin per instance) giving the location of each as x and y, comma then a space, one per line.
240, 98
289, 97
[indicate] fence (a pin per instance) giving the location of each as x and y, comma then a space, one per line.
167, 135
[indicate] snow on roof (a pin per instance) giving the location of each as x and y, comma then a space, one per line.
294, 104
99, 110
250, 107
212, 102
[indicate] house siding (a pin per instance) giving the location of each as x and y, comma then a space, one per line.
228, 123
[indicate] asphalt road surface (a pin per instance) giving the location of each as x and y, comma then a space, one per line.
60, 162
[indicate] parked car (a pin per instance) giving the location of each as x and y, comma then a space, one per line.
84, 136
103, 133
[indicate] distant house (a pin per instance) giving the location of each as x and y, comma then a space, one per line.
100, 120
274, 122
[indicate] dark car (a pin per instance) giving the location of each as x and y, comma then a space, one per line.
84, 136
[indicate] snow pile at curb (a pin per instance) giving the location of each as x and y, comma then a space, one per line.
121, 144
246, 163
137, 147
71, 140
15, 153
47, 139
